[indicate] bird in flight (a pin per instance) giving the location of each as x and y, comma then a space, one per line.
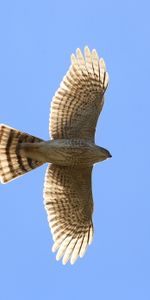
70, 153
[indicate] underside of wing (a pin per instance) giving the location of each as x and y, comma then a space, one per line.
79, 100
69, 205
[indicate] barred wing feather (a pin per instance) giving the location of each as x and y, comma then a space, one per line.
79, 100
69, 205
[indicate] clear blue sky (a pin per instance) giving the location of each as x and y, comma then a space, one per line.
37, 38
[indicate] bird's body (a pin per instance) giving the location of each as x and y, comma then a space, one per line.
70, 154
63, 152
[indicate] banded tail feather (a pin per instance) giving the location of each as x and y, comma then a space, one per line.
12, 162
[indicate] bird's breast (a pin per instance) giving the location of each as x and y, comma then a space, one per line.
72, 152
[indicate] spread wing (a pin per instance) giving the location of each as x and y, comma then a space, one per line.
69, 205
79, 100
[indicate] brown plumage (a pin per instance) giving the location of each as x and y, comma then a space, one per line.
71, 153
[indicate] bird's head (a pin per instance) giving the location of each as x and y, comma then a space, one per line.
104, 154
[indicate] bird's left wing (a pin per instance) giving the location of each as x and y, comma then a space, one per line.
79, 100
69, 205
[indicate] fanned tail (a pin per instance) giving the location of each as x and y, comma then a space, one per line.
12, 162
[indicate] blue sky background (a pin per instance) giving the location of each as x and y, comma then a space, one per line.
37, 38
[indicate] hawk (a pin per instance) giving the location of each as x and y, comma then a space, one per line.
70, 153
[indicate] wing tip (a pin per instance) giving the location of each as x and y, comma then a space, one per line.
86, 49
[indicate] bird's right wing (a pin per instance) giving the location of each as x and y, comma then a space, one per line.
79, 100
69, 205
